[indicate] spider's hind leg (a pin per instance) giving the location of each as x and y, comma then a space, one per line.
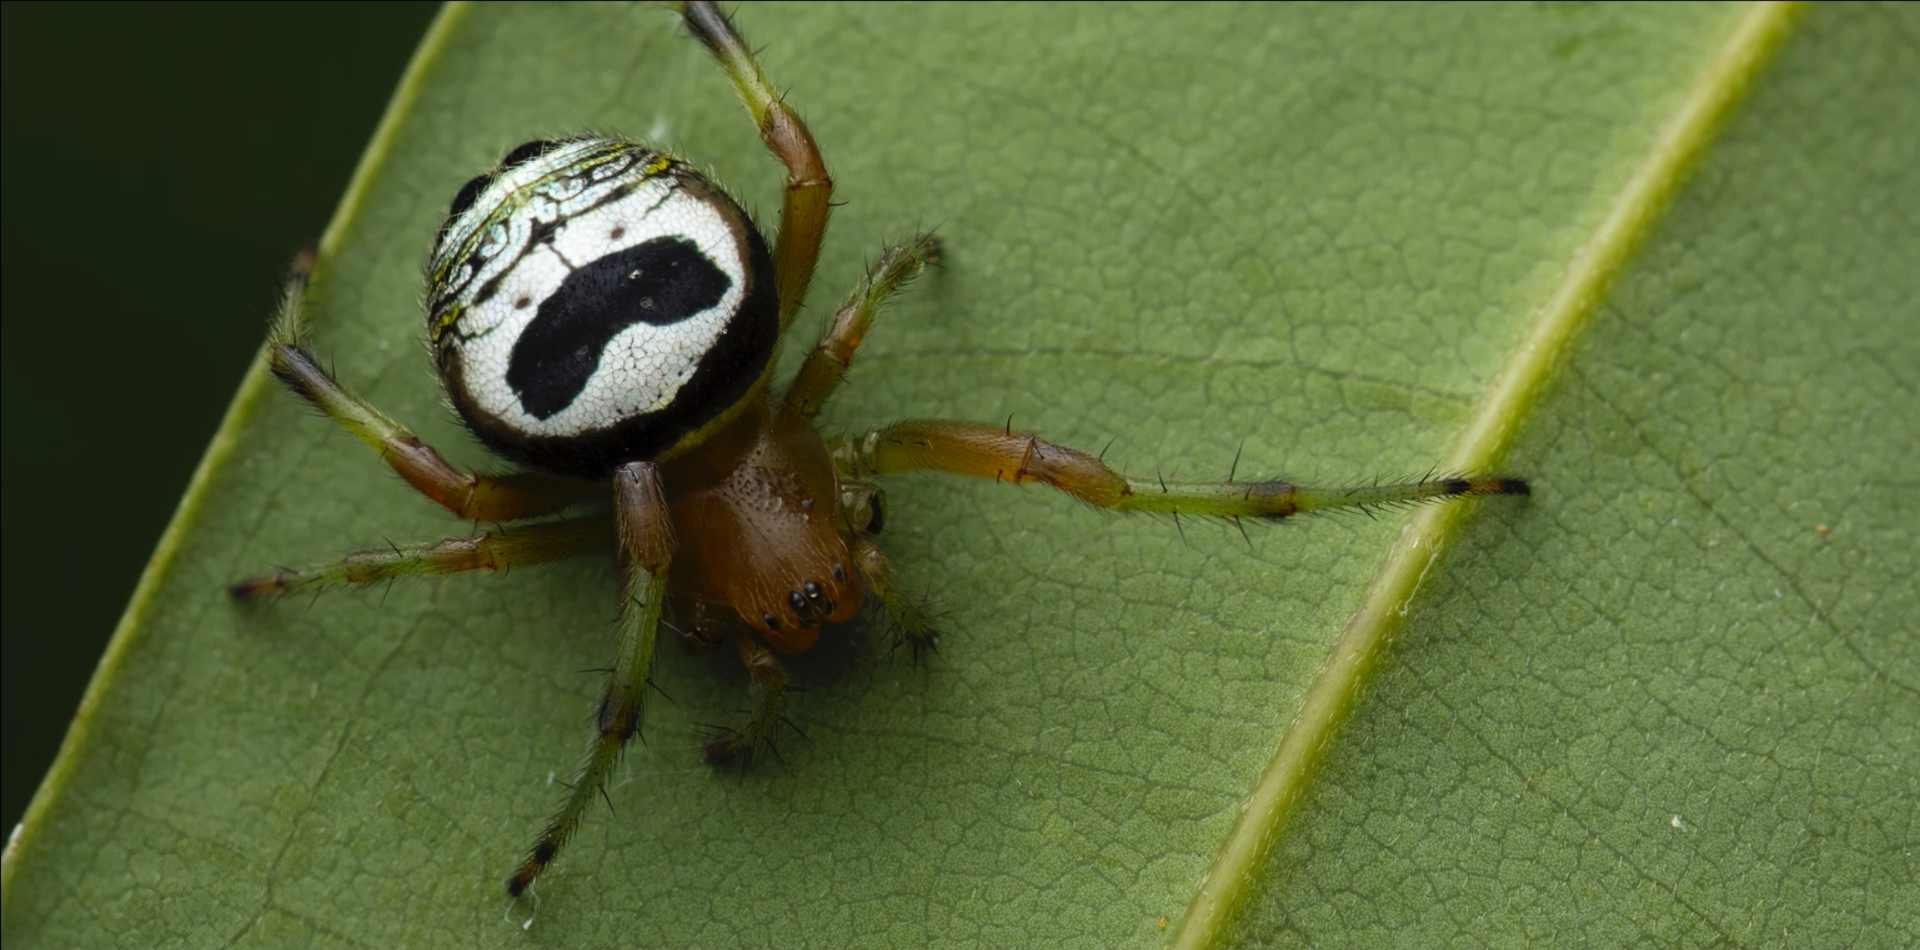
808, 198
770, 685
495, 550
468, 495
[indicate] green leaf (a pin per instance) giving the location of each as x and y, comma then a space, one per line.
1670, 699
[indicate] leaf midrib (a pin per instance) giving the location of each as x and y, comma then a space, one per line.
1490, 429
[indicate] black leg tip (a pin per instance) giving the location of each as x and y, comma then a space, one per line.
720, 751
254, 588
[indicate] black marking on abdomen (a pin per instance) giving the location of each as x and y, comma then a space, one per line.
466, 196
528, 151
660, 282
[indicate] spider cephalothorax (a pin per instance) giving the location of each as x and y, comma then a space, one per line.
606, 317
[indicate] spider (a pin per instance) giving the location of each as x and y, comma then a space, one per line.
606, 318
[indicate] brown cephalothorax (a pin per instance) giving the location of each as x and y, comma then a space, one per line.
606, 317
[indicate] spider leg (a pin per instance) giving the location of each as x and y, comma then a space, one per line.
770, 682
468, 495
985, 451
913, 621
495, 550
809, 192
827, 364
640, 509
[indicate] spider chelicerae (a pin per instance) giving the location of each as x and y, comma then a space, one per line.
607, 318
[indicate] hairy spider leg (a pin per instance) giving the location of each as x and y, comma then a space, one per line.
985, 451
770, 684
825, 368
646, 539
495, 550
911, 619
809, 191
827, 364
468, 495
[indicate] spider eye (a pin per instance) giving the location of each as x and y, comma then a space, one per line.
604, 305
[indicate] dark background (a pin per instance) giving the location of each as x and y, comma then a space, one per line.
161, 164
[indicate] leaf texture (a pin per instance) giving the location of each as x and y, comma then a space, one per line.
1670, 699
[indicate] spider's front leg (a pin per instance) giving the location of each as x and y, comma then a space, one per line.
1002, 454
646, 540
469, 495
827, 365
825, 369
809, 191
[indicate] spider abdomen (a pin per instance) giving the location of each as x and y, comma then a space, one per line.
593, 302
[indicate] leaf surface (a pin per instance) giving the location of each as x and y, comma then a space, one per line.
1653, 704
